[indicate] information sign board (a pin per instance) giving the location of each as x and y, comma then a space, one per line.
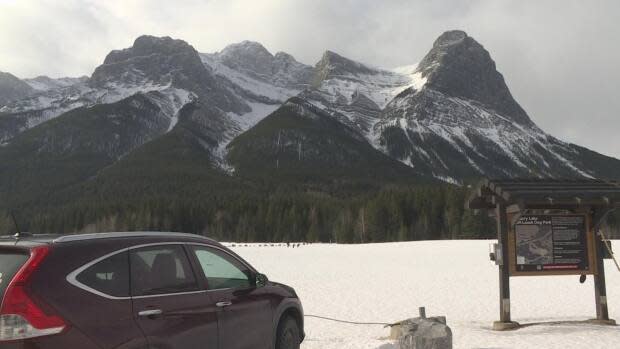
551, 243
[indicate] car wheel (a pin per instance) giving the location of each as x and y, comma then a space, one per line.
288, 334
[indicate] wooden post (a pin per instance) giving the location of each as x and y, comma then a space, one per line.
363, 223
504, 277
600, 287
504, 322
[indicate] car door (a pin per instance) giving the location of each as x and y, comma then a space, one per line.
246, 316
170, 307
108, 297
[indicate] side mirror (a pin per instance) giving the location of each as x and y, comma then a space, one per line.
261, 280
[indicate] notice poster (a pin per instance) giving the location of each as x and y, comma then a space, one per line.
547, 243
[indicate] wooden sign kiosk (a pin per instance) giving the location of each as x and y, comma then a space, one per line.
548, 227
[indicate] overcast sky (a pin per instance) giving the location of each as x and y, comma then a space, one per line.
560, 58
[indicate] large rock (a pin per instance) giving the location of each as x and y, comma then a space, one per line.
425, 333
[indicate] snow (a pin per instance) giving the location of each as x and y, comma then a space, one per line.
448, 179
416, 80
114, 92
262, 96
381, 87
405, 69
257, 87
44, 83
55, 101
170, 100
462, 123
258, 113
388, 282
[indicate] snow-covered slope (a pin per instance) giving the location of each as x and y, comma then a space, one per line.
454, 138
261, 80
388, 282
252, 60
343, 79
40, 108
355, 90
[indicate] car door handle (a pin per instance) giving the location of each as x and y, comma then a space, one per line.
149, 313
223, 304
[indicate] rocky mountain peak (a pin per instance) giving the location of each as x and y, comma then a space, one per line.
248, 56
451, 37
333, 64
254, 60
340, 65
163, 62
459, 66
283, 56
246, 48
12, 88
159, 60
147, 45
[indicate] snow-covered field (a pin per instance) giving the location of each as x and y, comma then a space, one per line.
388, 282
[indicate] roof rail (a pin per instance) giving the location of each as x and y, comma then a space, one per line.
112, 235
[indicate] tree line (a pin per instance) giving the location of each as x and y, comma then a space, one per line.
393, 214
390, 214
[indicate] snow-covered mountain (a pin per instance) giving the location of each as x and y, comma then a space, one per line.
450, 117
232, 90
463, 121
50, 98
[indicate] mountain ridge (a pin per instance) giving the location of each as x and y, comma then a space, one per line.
451, 118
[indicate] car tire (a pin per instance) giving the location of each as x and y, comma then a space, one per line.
288, 336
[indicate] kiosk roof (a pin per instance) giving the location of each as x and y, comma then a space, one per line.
545, 193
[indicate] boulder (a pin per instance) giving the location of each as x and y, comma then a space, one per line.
425, 333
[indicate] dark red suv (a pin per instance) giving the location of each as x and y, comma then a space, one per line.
139, 290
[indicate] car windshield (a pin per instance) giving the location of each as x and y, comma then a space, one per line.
10, 262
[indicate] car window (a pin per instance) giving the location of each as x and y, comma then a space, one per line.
109, 276
10, 262
222, 270
161, 270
